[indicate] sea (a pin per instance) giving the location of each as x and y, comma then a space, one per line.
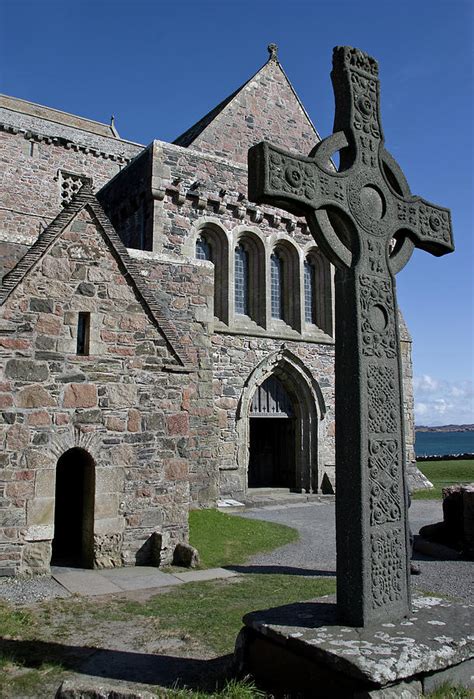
443, 443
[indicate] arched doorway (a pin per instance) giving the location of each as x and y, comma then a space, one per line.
272, 437
300, 397
73, 540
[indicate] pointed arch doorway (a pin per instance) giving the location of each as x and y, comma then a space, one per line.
272, 447
73, 542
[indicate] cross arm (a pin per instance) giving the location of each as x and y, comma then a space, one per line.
281, 179
428, 225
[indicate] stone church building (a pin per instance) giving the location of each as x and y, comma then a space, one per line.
163, 342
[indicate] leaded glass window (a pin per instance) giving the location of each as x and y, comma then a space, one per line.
203, 249
309, 287
241, 280
276, 265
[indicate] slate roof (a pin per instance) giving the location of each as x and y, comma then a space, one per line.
131, 269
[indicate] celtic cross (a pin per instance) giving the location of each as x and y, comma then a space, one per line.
367, 223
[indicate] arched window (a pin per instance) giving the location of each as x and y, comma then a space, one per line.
203, 249
241, 280
211, 245
309, 291
276, 268
317, 291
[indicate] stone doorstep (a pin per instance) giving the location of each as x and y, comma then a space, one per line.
305, 641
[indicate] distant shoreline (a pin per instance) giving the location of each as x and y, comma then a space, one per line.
445, 428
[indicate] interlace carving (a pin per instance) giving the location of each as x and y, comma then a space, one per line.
381, 383
377, 315
370, 190
385, 504
355, 58
434, 224
292, 176
387, 572
364, 98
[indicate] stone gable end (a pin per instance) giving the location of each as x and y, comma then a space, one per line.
116, 403
266, 108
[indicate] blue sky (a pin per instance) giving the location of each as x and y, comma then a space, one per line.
158, 67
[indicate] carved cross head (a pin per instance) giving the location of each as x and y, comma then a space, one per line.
367, 200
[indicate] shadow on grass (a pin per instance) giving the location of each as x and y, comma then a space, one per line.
282, 570
147, 668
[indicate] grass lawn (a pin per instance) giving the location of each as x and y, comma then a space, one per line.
223, 539
443, 473
44, 643
212, 611
201, 619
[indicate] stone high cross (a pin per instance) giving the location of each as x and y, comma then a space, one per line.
367, 223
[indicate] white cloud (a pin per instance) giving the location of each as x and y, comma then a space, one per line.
441, 402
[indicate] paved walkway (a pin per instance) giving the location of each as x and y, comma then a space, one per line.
80, 581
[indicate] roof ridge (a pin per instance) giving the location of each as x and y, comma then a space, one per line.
86, 198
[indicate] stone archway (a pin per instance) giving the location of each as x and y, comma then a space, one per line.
73, 542
307, 408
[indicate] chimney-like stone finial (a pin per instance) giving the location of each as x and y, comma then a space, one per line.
273, 51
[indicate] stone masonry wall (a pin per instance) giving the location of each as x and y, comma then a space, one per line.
33, 151
136, 419
185, 290
235, 358
265, 109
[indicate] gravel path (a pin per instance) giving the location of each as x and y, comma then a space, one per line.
315, 552
30, 590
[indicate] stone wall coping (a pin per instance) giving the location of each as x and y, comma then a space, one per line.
40, 129
20, 238
17, 104
151, 255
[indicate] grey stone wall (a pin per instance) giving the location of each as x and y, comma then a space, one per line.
128, 404
240, 364
33, 152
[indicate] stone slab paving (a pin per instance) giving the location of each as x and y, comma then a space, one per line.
114, 580
201, 575
86, 582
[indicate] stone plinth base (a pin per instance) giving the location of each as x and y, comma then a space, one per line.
302, 649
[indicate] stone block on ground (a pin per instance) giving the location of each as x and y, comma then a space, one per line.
468, 514
97, 689
186, 555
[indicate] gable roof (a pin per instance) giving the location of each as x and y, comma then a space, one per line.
265, 107
85, 198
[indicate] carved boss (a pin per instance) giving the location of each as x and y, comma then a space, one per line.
365, 220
